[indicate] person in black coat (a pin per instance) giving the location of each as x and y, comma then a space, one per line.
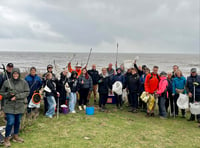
94, 74
127, 75
104, 85
133, 85
191, 80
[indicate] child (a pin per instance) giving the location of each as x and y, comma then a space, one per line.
50, 93
73, 84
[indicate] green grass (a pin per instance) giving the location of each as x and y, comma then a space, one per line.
113, 129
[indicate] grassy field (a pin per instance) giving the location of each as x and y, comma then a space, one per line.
112, 129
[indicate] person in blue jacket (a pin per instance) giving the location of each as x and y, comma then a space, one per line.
118, 77
178, 86
34, 82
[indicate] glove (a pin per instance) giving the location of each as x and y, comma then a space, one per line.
195, 84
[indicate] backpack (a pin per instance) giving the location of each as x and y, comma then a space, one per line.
152, 77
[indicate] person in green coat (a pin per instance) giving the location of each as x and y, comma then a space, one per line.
14, 92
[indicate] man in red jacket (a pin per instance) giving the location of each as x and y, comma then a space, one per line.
151, 86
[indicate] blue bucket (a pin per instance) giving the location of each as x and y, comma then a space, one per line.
89, 110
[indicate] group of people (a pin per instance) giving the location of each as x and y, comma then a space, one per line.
78, 84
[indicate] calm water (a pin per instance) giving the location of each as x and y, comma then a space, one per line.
41, 60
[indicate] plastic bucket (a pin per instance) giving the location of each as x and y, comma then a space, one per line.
89, 110
65, 110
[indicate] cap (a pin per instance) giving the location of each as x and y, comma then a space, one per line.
78, 65
163, 73
193, 70
50, 66
10, 65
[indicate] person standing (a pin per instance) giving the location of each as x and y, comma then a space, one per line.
3, 77
104, 85
85, 85
94, 74
175, 68
127, 75
178, 86
133, 85
110, 70
191, 81
169, 101
50, 94
118, 77
54, 79
162, 95
73, 84
15, 90
151, 86
34, 82
77, 69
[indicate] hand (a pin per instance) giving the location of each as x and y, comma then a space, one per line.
58, 94
82, 82
190, 94
13, 99
135, 62
173, 95
147, 93
69, 64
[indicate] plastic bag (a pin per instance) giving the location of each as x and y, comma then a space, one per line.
195, 108
144, 97
183, 101
117, 88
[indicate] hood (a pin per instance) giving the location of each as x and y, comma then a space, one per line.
15, 70
74, 73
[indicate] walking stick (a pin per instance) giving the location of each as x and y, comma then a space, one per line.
88, 58
116, 56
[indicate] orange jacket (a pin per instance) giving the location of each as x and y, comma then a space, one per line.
151, 83
78, 71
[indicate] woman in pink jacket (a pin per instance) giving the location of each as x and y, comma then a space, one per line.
162, 95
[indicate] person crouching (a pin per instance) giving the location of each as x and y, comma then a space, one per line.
162, 95
15, 91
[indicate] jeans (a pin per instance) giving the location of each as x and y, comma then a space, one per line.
13, 120
162, 108
103, 99
169, 103
46, 106
72, 101
134, 100
52, 105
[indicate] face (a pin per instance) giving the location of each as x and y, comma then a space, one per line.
78, 68
118, 71
9, 69
15, 75
104, 71
50, 69
133, 72
50, 76
122, 67
178, 74
147, 72
33, 72
94, 67
193, 74
155, 70
84, 71
65, 72
140, 68
175, 68
75, 75
129, 71
110, 65
169, 75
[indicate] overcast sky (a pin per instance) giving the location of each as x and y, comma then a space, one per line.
143, 26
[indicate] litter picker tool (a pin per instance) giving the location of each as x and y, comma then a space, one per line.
88, 58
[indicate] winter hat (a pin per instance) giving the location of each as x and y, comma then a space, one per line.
49, 66
163, 73
193, 70
10, 65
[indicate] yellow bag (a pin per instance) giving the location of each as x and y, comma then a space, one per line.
151, 102
144, 97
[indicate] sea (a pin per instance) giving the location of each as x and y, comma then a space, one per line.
40, 60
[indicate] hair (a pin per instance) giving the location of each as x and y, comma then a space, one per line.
32, 68
176, 66
134, 70
104, 68
48, 74
178, 71
155, 67
86, 75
